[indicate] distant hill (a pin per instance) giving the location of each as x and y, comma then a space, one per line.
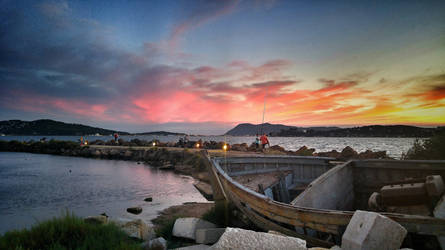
253, 129
267, 128
365, 131
159, 133
50, 127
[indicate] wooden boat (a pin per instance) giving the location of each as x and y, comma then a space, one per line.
331, 193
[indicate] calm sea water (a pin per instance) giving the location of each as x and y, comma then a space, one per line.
34, 187
393, 146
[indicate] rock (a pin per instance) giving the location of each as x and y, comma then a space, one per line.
100, 219
208, 235
335, 248
304, 151
278, 148
348, 153
148, 199
368, 154
236, 238
370, 230
194, 247
96, 153
134, 210
332, 153
186, 227
240, 147
136, 228
155, 244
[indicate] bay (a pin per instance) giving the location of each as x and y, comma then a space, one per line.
35, 187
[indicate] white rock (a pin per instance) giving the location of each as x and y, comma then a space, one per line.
236, 238
369, 230
208, 235
186, 227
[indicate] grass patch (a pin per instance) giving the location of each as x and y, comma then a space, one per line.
68, 232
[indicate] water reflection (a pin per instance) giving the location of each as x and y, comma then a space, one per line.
35, 187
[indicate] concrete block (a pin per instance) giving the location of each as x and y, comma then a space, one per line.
404, 194
236, 238
208, 235
369, 230
439, 212
186, 227
434, 185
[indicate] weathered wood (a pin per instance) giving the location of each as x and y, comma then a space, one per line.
218, 192
319, 219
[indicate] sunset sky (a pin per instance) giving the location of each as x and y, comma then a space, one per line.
205, 66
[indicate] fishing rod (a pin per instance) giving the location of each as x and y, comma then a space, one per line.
264, 111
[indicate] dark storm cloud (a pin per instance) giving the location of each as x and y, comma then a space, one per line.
44, 50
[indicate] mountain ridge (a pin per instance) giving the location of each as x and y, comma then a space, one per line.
248, 129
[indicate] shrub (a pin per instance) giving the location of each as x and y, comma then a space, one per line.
429, 149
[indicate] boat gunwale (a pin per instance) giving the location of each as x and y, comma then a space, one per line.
344, 216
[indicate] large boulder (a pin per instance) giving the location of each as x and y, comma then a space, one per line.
370, 230
348, 153
208, 235
186, 227
236, 238
136, 228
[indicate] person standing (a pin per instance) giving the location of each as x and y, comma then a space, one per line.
116, 136
257, 141
264, 141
